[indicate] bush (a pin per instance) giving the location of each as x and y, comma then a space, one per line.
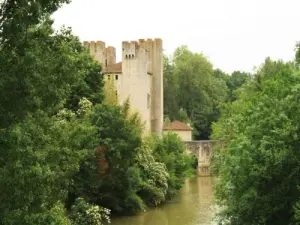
170, 151
83, 213
154, 176
111, 185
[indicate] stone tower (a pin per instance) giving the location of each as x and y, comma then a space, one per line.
105, 56
138, 77
155, 70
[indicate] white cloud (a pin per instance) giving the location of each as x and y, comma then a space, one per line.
234, 34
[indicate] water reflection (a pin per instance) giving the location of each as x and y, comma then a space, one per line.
192, 207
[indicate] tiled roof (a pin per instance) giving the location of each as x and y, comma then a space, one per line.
177, 125
113, 68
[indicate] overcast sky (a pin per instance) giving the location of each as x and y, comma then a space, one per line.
233, 34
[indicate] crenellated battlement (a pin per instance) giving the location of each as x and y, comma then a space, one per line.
130, 49
142, 42
104, 55
95, 46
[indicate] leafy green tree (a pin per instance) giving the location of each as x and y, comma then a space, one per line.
190, 84
258, 166
170, 150
154, 175
171, 87
26, 42
119, 139
90, 87
182, 116
233, 82
41, 144
237, 79
18, 16
39, 156
221, 75
39, 84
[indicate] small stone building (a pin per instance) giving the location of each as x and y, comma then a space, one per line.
184, 131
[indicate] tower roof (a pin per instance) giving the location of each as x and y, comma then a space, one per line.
177, 125
113, 68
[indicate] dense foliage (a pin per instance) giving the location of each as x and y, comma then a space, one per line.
233, 82
128, 178
259, 164
193, 91
84, 213
41, 143
170, 151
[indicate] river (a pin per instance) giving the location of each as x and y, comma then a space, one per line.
192, 207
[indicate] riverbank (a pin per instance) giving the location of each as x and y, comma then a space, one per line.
193, 206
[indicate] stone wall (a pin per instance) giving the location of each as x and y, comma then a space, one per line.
185, 135
203, 152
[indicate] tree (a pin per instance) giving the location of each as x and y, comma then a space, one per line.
154, 175
233, 82
236, 81
39, 84
40, 154
41, 143
17, 16
189, 84
90, 87
170, 151
259, 166
170, 89
183, 117
221, 75
119, 139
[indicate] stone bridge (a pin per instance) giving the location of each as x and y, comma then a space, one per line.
202, 150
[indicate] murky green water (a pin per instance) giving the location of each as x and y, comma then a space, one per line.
192, 207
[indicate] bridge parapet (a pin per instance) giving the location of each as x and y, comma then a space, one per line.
203, 152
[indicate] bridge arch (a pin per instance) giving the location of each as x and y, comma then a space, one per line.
202, 150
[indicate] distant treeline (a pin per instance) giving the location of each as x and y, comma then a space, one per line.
194, 91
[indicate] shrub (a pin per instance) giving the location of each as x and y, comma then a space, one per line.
83, 213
